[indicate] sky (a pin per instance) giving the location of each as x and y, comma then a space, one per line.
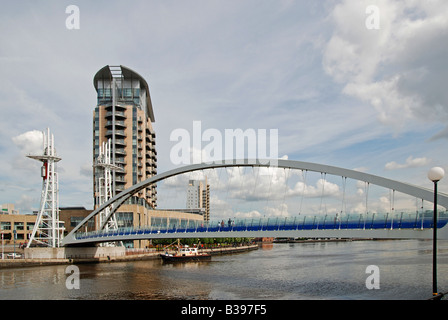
344, 84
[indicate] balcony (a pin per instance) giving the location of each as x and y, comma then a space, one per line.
118, 114
120, 162
120, 179
119, 124
121, 143
118, 107
118, 133
119, 174
120, 152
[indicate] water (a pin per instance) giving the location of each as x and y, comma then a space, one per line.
335, 270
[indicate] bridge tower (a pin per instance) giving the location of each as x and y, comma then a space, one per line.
105, 185
48, 230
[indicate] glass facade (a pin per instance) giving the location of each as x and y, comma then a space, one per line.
74, 221
131, 95
125, 219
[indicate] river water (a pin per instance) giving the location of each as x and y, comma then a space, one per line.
320, 270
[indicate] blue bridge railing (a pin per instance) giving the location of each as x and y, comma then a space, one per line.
317, 222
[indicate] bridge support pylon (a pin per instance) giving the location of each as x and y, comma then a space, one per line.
48, 230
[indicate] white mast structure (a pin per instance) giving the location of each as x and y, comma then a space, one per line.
105, 185
48, 230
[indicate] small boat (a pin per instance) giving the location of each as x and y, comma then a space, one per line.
185, 254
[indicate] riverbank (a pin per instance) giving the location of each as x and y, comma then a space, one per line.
130, 256
287, 240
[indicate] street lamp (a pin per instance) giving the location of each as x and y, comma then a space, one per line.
435, 175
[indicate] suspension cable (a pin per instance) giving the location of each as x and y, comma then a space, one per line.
286, 188
322, 174
343, 206
304, 176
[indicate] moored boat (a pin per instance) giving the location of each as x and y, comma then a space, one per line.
185, 254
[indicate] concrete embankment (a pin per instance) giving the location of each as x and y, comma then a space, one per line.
286, 240
60, 256
229, 250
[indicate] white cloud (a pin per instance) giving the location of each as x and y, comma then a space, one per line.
410, 163
323, 188
30, 142
398, 69
246, 215
280, 211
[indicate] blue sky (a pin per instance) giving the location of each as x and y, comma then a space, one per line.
338, 93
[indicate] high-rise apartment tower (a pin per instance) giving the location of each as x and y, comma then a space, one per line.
124, 115
198, 197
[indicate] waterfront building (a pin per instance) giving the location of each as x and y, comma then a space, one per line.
124, 116
71, 216
198, 197
23, 224
11, 222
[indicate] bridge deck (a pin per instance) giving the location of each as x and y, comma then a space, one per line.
393, 229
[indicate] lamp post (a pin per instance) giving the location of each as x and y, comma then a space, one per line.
435, 175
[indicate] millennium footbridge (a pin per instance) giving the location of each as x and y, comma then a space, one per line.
364, 225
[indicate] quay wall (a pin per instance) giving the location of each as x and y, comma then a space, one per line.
229, 250
56, 256
74, 252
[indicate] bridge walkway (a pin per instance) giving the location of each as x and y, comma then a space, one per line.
307, 227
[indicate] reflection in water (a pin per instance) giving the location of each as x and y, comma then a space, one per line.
335, 270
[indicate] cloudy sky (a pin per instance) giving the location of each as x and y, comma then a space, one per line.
342, 89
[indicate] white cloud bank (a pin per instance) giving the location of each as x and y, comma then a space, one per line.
30, 142
399, 69
410, 163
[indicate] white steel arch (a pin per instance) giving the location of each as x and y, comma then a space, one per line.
118, 200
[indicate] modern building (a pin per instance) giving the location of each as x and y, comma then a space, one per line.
198, 197
124, 114
12, 223
22, 224
8, 208
72, 216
